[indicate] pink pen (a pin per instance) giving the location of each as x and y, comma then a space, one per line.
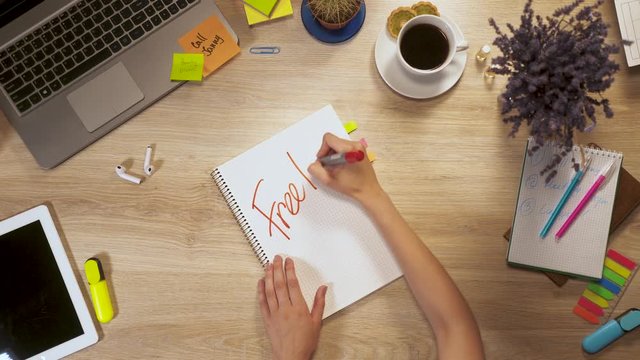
603, 175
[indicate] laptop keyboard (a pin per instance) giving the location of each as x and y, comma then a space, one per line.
51, 57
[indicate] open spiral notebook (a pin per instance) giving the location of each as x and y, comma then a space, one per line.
581, 250
282, 210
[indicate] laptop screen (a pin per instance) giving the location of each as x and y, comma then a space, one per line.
12, 9
36, 312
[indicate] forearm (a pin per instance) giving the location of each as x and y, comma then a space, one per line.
440, 300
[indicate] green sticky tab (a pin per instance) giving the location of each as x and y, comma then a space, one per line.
187, 67
350, 126
604, 293
607, 273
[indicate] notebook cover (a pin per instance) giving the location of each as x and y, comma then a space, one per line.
282, 9
264, 6
626, 200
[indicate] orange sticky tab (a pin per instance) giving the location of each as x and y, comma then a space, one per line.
585, 314
211, 39
595, 298
371, 156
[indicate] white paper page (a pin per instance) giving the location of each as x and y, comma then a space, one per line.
628, 12
330, 237
581, 250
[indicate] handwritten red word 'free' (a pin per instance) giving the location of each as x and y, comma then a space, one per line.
291, 200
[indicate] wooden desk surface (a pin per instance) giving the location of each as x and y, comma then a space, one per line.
184, 278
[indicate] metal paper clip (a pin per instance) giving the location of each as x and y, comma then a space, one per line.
265, 50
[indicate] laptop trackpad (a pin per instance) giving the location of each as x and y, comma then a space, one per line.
105, 97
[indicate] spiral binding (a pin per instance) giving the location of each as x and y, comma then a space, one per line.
590, 148
240, 218
597, 150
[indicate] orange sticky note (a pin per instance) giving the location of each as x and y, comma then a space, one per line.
371, 155
211, 39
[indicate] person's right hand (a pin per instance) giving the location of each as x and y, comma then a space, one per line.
356, 180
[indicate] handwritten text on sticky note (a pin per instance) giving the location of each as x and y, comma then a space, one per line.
211, 39
187, 67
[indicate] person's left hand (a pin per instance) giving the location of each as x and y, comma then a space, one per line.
293, 330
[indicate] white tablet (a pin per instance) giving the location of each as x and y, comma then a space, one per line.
43, 315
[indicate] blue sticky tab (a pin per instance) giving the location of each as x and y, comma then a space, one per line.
609, 285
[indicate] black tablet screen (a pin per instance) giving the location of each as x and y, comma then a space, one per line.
36, 312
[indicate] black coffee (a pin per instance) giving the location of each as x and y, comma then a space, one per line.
424, 47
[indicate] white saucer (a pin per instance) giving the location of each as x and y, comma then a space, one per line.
413, 85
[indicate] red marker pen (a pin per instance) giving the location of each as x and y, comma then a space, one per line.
342, 158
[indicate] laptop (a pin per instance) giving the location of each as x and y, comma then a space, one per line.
628, 12
71, 71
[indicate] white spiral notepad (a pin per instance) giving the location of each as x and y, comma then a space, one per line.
282, 210
581, 250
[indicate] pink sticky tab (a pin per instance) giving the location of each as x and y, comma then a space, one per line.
363, 141
621, 259
588, 305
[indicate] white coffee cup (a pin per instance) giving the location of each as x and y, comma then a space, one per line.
447, 30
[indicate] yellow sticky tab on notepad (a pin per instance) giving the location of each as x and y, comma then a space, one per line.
371, 155
187, 67
350, 126
283, 8
619, 269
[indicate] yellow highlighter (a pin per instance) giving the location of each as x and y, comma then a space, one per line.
99, 290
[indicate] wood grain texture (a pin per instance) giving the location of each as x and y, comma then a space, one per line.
182, 275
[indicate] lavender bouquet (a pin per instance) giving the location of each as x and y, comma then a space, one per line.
558, 68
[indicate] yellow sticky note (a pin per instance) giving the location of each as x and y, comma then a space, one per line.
371, 156
283, 8
350, 126
187, 67
211, 39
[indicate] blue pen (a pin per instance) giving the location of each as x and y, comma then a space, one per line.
563, 200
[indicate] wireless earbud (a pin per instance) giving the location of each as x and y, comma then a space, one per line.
123, 174
148, 168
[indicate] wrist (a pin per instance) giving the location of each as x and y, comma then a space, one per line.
290, 356
373, 200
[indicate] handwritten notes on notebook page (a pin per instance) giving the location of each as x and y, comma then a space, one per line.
287, 212
211, 39
581, 250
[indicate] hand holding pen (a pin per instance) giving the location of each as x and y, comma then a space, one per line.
356, 179
336, 159
563, 200
596, 185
